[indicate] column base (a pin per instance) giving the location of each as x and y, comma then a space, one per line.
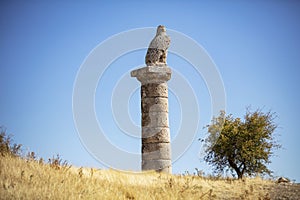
157, 165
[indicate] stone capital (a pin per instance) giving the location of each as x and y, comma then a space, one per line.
152, 74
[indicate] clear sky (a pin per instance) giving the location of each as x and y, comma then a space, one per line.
254, 44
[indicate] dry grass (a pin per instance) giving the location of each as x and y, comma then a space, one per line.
22, 179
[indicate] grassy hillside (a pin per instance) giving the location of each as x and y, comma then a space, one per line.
23, 179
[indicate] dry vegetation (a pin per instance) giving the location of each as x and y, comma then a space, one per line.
30, 179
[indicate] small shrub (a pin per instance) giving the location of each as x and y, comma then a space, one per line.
199, 173
6, 146
58, 163
31, 156
80, 172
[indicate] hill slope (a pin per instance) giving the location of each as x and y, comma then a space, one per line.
22, 179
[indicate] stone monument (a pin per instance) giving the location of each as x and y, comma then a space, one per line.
156, 148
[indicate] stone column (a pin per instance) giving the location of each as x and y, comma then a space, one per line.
156, 148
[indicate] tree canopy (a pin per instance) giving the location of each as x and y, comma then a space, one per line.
241, 146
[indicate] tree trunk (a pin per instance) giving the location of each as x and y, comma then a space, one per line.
240, 174
236, 169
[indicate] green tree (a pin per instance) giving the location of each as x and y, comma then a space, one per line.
243, 147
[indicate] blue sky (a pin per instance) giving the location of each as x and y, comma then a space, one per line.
254, 44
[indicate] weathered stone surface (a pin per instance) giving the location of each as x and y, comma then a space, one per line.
154, 104
156, 151
158, 48
158, 165
155, 135
152, 74
282, 180
155, 119
152, 147
154, 90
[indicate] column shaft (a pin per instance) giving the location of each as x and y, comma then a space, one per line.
156, 152
156, 148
